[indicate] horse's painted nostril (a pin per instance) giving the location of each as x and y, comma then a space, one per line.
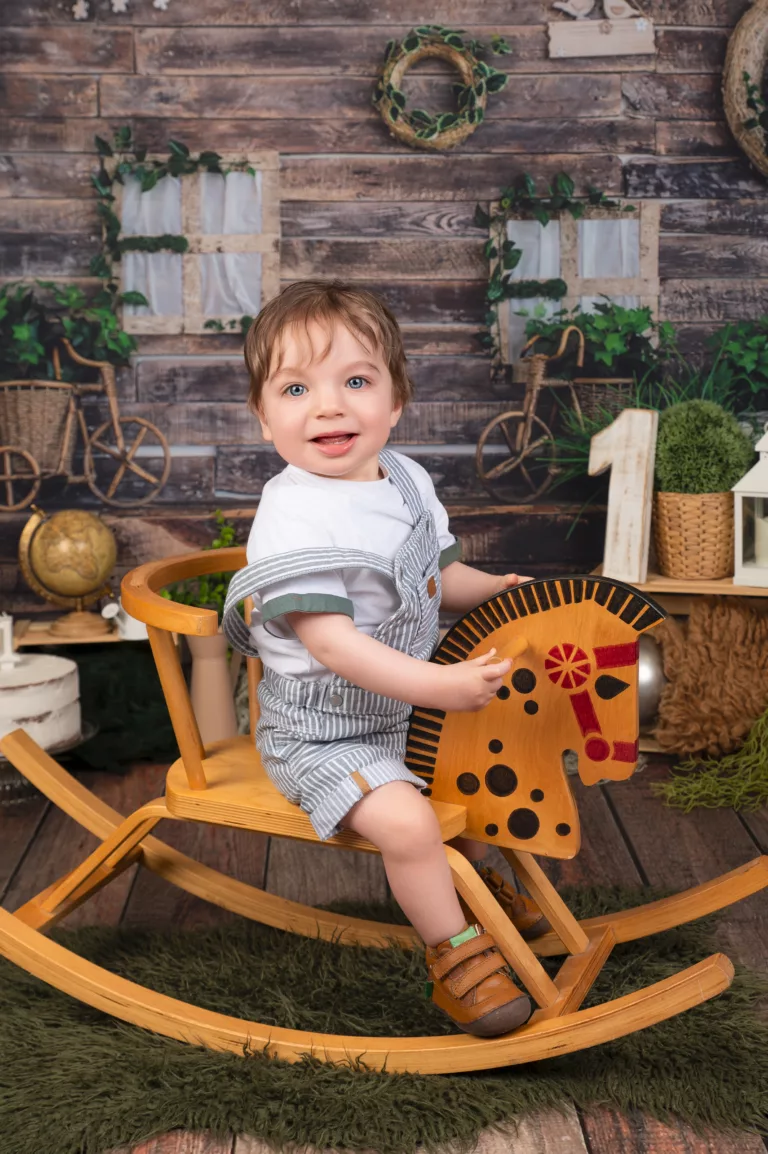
597, 749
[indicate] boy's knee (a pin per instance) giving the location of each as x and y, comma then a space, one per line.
406, 823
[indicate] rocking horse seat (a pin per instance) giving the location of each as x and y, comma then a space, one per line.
239, 793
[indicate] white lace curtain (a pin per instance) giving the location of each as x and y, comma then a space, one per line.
540, 261
157, 275
609, 248
230, 283
606, 248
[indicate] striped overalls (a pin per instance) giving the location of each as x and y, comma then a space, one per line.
316, 737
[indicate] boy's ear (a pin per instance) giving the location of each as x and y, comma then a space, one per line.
264, 426
395, 416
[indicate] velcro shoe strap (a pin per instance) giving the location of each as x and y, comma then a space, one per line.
458, 954
483, 968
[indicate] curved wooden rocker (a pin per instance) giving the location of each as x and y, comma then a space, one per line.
496, 775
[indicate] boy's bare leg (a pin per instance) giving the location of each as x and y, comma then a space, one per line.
402, 824
472, 850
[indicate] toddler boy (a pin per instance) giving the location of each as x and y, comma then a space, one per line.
349, 559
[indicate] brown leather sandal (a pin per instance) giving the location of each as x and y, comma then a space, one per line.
469, 981
524, 914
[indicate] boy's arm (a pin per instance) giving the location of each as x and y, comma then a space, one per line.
463, 588
334, 641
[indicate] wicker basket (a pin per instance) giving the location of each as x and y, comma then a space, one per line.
598, 395
693, 534
33, 416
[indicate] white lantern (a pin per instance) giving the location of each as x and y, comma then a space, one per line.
751, 522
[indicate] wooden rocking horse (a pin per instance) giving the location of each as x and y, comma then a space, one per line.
496, 775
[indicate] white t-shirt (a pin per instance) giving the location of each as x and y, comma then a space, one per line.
301, 510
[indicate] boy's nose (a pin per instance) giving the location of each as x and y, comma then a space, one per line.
329, 401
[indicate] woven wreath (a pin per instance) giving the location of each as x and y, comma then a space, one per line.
442, 130
743, 71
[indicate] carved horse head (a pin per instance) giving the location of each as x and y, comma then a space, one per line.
574, 687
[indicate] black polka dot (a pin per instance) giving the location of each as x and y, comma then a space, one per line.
427, 792
537, 795
491, 830
531, 707
524, 680
468, 783
495, 745
563, 829
501, 780
503, 693
523, 823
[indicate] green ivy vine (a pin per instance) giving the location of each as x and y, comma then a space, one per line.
522, 200
756, 104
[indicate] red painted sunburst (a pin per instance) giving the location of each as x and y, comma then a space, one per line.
568, 665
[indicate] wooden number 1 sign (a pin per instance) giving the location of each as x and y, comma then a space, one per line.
628, 449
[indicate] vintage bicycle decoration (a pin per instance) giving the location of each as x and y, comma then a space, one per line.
126, 460
516, 456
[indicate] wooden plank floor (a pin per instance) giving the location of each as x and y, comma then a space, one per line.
628, 837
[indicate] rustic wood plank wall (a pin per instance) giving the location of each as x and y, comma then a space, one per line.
356, 204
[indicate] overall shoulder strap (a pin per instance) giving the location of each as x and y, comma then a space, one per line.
298, 563
404, 482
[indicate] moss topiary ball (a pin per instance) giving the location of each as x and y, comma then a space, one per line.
700, 449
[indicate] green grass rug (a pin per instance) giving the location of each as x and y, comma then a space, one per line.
73, 1081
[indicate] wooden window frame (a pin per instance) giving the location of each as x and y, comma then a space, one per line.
645, 286
267, 243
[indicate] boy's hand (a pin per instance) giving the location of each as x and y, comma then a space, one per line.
470, 685
507, 581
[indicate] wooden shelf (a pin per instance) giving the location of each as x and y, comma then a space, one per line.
28, 632
724, 587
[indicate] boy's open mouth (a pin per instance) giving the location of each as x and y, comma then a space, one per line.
335, 439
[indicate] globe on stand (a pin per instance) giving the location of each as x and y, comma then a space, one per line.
67, 558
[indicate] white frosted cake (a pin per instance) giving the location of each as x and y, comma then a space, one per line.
41, 695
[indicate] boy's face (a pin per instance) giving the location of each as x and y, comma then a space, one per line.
328, 412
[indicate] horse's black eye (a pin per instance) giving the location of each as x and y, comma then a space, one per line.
608, 687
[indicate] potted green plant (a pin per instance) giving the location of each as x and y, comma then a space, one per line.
701, 452
213, 677
741, 356
32, 325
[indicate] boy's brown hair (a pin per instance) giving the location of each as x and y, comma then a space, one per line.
325, 302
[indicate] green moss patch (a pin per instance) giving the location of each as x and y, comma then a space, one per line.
74, 1081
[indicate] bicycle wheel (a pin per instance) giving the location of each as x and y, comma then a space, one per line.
19, 478
510, 470
133, 458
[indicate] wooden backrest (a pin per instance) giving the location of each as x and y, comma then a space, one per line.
140, 594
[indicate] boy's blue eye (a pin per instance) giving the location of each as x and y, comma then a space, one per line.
290, 389
356, 382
